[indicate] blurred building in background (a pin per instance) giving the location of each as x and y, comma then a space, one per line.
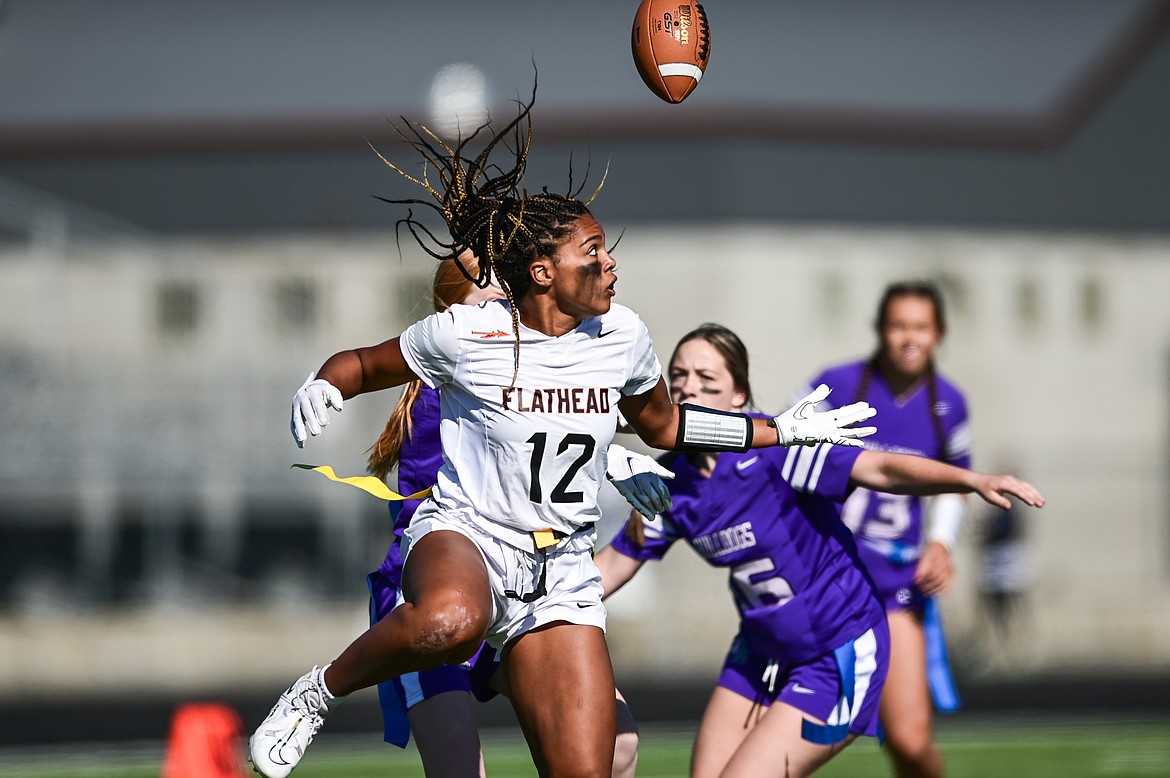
187, 228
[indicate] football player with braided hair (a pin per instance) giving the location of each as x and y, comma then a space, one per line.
530, 388
435, 706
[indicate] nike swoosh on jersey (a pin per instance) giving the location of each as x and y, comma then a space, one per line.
601, 334
802, 689
745, 464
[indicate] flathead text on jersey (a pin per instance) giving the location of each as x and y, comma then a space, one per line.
560, 400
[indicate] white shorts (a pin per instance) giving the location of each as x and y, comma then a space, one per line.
572, 581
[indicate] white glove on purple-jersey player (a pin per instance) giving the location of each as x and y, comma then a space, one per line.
310, 407
638, 478
804, 425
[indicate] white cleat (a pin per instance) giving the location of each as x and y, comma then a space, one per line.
280, 741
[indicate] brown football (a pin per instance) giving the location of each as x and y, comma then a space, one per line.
672, 44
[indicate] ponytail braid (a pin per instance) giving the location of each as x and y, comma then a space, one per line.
871, 366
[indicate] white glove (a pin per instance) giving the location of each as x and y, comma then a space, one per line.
310, 407
803, 425
639, 479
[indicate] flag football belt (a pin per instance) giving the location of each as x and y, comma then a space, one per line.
542, 540
367, 483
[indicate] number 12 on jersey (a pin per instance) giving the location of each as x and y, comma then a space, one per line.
536, 466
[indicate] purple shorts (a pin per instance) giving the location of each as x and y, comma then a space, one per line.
894, 580
398, 695
818, 688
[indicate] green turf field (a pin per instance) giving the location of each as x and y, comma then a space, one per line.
1018, 747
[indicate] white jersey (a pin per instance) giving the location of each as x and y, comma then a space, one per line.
527, 456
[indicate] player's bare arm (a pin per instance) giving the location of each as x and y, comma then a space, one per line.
656, 419
936, 570
616, 568
652, 416
906, 474
344, 375
367, 369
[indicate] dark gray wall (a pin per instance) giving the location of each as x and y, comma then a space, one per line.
237, 71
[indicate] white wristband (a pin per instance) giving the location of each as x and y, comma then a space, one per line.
704, 429
946, 517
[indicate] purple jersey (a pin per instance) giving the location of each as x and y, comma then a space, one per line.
771, 516
905, 425
889, 526
418, 466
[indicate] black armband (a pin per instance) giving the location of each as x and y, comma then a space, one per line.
702, 429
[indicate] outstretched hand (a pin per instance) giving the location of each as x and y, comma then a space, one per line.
804, 425
996, 488
638, 478
310, 407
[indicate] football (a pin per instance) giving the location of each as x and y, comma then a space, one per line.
672, 44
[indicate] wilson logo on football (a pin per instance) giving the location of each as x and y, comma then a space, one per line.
671, 43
